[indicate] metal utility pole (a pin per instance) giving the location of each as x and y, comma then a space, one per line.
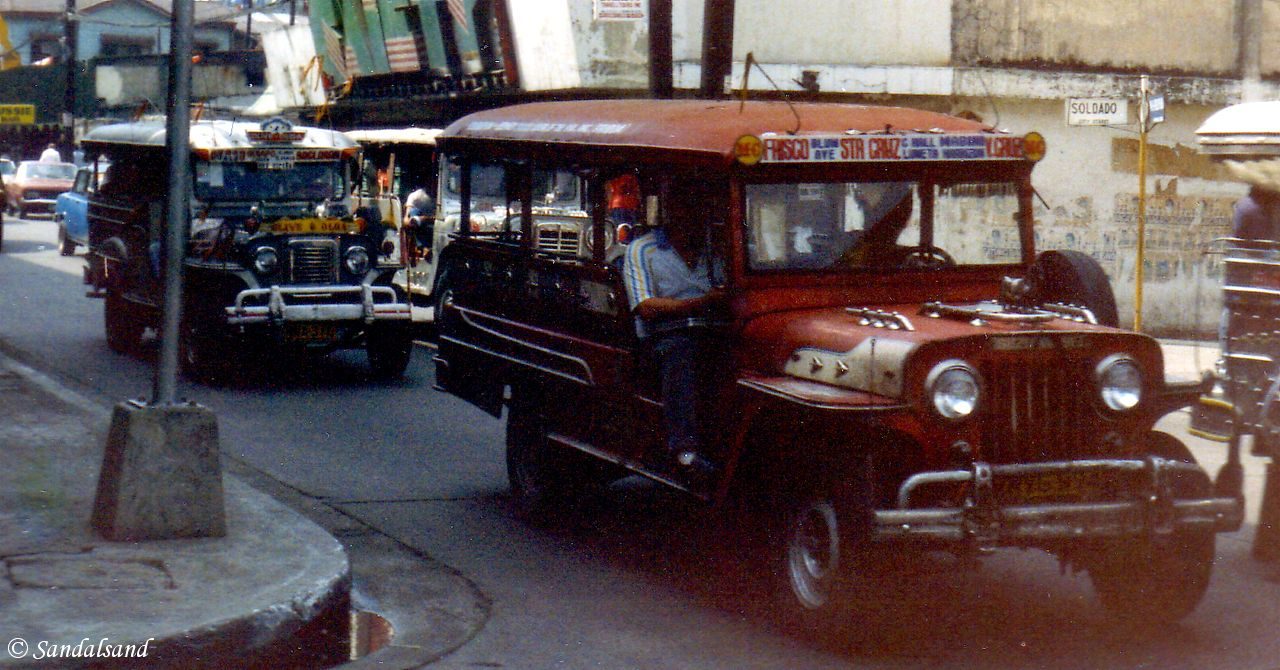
178, 149
660, 58
1145, 86
717, 46
70, 34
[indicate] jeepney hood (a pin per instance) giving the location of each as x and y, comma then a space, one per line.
874, 348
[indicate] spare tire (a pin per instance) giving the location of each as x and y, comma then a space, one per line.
1075, 278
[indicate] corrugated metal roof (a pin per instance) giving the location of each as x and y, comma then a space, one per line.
698, 126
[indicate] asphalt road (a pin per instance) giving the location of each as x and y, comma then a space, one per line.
635, 579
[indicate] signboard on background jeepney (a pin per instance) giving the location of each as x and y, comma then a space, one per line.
17, 115
1097, 111
844, 148
619, 10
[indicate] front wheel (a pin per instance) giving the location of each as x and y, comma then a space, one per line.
389, 347
817, 543
1154, 581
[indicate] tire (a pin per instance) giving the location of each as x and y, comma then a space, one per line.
1075, 278
389, 348
65, 246
1152, 582
816, 545
122, 323
546, 478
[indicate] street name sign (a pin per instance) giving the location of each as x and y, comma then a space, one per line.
1097, 111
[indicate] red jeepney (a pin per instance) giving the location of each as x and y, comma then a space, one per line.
897, 369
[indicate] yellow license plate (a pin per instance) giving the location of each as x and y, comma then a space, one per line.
311, 332
292, 226
1060, 487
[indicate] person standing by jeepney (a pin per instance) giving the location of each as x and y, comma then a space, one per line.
671, 276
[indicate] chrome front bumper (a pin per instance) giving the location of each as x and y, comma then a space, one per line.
982, 519
317, 303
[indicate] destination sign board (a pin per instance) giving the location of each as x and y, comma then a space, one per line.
895, 147
1097, 111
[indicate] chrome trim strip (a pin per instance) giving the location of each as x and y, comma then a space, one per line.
1268, 292
466, 316
755, 386
629, 465
520, 361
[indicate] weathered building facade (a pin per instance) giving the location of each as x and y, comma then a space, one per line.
1012, 63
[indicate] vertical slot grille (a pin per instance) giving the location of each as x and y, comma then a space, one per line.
558, 239
313, 261
1037, 412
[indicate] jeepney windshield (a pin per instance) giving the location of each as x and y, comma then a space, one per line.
488, 182
222, 181
842, 226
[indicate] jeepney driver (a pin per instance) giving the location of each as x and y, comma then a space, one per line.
671, 281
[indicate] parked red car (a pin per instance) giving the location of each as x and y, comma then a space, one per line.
35, 186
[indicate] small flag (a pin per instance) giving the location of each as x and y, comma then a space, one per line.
459, 13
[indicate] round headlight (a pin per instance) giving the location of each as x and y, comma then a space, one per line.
357, 260
1119, 382
265, 260
953, 388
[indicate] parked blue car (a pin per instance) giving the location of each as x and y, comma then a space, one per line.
71, 212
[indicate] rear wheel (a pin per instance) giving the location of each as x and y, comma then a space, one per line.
122, 322
543, 475
389, 347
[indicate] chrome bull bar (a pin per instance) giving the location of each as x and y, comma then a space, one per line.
282, 305
983, 519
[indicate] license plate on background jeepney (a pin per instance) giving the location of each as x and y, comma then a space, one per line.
1065, 487
309, 226
310, 332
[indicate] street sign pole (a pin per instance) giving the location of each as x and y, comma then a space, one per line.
1142, 201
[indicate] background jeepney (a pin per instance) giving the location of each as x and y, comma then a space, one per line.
396, 161
898, 371
276, 257
1245, 138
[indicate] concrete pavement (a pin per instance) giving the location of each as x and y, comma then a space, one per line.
277, 591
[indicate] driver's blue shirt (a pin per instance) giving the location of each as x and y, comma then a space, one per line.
654, 269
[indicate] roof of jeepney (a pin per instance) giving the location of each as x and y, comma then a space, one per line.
366, 136
707, 127
205, 135
1246, 128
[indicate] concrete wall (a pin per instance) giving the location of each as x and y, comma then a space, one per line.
1196, 36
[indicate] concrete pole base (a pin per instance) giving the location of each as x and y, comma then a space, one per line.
161, 475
